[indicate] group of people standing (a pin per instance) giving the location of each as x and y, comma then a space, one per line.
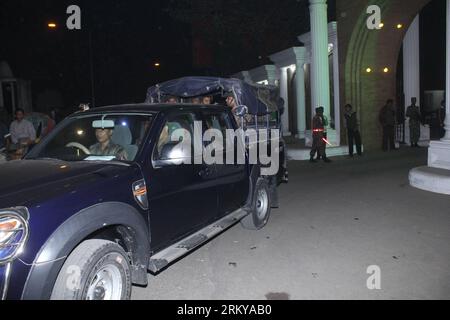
387, 119
319, 134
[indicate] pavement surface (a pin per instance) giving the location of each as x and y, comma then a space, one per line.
334, 222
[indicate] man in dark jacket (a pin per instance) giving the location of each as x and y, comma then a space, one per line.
354, 137
388, 121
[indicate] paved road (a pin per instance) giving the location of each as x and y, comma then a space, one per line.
334, 222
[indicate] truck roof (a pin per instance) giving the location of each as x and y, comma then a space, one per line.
152, 108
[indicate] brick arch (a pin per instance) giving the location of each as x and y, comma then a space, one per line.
361, 48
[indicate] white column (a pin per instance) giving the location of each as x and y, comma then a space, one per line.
436, 177
272, 75
411, 73
336, 139
285, 96
411, 62
300, 92
447, 87
439, 151
320, 78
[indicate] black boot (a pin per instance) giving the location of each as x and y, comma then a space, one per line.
326, 160
312, 160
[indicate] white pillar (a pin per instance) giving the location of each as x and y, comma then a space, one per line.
284, 94
411, 62
439, 151
272, 75
411, 73
436, 177
300, 92
320, 78
336, 139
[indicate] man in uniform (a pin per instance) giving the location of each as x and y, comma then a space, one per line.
414, 115
388, 120
319, 144
353, 134
105, 147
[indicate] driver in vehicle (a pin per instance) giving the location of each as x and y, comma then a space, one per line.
105, 147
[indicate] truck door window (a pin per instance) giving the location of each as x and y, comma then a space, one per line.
218, 121
174, 123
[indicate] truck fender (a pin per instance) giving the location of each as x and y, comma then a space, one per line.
65, 239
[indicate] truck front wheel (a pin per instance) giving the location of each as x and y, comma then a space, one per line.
95, 270
261, 206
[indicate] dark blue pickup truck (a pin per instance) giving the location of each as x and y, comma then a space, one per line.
104, 199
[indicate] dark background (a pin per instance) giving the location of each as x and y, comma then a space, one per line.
188, 37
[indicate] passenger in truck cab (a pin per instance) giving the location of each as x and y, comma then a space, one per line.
230, 101
207, 100
196, 100
171, 100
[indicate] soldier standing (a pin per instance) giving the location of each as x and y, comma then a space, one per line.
414, 115
387, 119
354, 137
318, 129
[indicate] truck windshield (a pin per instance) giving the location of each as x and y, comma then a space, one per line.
106, 137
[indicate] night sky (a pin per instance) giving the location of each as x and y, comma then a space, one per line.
128, 37
432, 45
127, 40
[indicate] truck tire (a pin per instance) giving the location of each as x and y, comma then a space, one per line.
95, 270
261, 206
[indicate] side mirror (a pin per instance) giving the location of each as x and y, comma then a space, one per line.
173, 154
241, 111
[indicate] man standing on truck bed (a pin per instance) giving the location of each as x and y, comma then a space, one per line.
319, 144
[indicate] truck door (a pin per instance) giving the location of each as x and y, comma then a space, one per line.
182, 197
232, 178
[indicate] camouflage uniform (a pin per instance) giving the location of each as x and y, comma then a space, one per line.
111, 150
413, 113
318, 136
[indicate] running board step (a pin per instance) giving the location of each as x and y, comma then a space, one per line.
165, 257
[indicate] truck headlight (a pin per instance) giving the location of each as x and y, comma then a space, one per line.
13, 233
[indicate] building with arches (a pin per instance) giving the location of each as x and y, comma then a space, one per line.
346, 61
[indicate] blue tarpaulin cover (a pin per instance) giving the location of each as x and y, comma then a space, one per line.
259, 100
